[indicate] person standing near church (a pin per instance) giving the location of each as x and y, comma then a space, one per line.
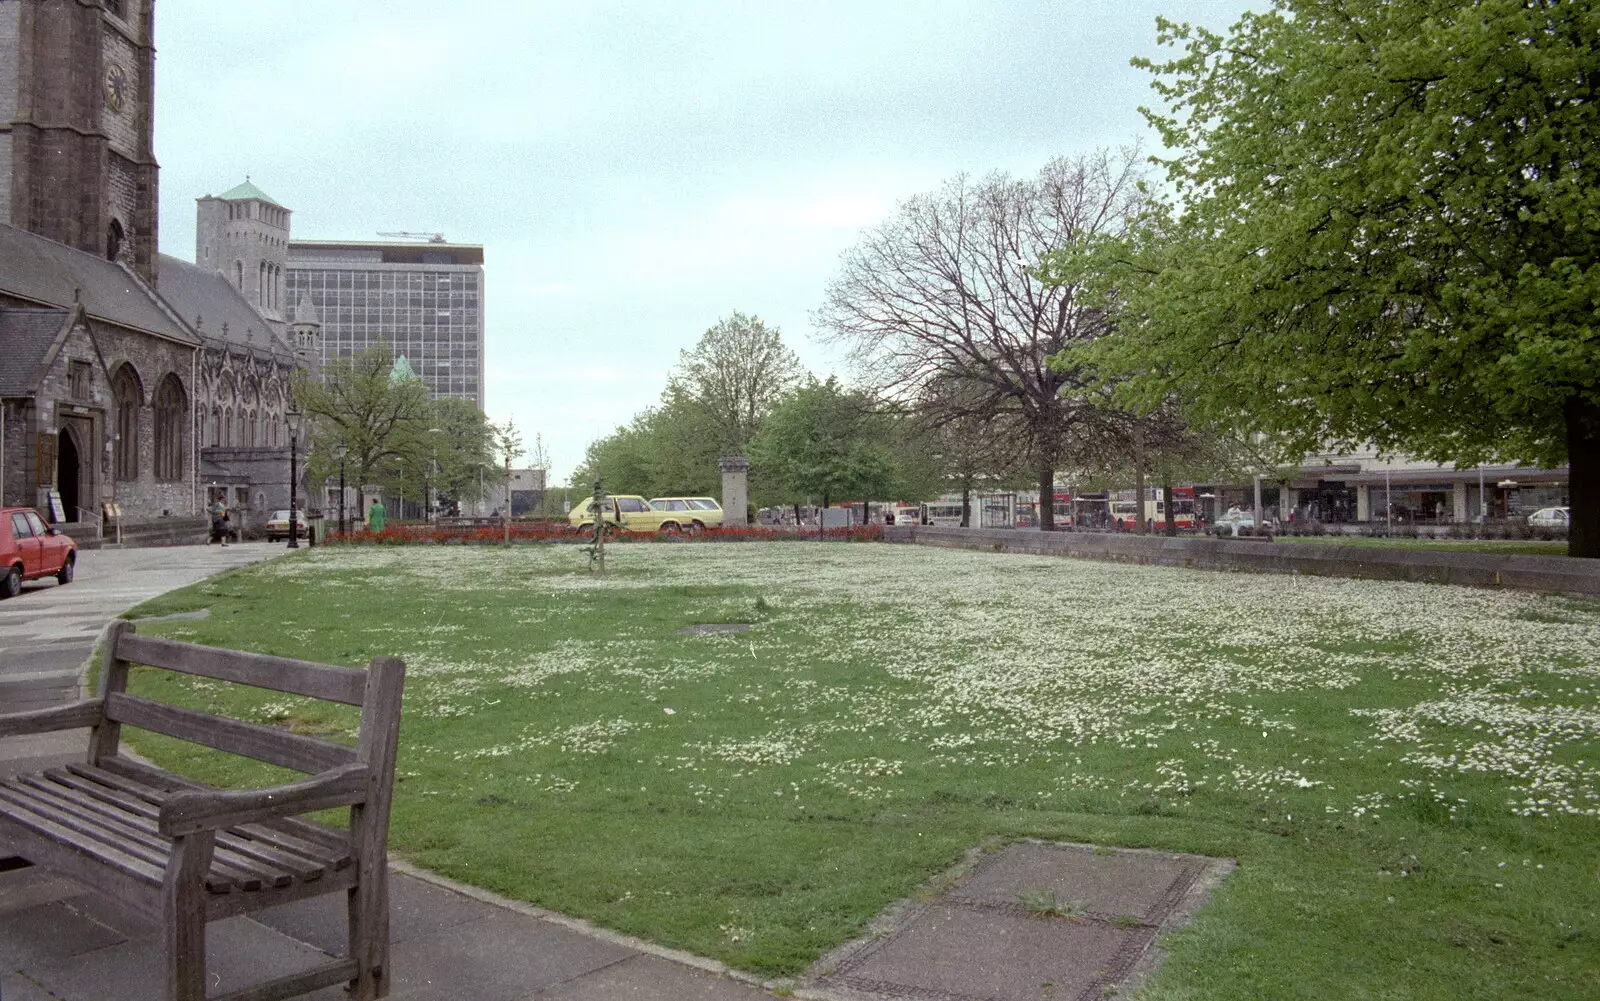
219, 522
375, 516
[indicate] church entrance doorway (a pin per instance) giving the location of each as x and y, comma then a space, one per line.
68, 469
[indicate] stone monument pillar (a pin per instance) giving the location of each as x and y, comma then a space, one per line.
735, 489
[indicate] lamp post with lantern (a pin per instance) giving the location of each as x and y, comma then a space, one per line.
292, 419
339, 452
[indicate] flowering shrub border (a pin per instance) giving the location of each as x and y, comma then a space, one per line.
561, 532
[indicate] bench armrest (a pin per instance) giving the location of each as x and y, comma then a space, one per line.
71, 716
213, 809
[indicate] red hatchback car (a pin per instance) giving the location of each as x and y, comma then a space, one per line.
30, 549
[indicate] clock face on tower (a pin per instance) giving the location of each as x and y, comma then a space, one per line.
116, 87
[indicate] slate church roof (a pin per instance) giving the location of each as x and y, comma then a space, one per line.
26, 336
54, 274
210, 304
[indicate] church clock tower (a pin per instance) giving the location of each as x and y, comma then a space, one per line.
77, 163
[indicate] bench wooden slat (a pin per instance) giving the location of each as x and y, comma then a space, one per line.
133, 827
242, 873
30, 812
280, 674
235, 857
301, 866
256, 834
263, 743
126, 856
71, 716
150, 783
139, 893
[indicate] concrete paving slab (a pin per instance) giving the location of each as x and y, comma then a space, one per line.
31, 886
49, 933
502, 957
239, 953
415, 909
950, 952
979, 940
14, 987
1103, 882
649, 978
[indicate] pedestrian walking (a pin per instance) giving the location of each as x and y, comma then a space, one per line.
219, 522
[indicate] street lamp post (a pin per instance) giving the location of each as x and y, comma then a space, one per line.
112, 443
429, 503
293, 420
339, 452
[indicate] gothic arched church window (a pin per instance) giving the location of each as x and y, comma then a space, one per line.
125, 390
172, 407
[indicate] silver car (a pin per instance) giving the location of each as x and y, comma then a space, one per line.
1551, 517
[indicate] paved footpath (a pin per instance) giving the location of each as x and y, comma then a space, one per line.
61, 942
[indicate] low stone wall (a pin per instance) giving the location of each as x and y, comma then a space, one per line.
1557, 574
185, 531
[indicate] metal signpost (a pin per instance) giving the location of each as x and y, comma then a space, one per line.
597, 550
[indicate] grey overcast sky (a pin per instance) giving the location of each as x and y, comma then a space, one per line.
635, 171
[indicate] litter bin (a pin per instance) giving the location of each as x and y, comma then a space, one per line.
316, 525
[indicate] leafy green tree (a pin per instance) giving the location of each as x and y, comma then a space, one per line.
461, 444
735, 375
1384, 228
825, 443
712, 406
378, 419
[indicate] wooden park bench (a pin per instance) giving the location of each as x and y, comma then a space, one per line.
186, 853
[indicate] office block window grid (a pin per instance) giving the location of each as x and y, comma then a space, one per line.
431, 313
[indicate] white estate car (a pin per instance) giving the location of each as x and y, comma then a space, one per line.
1551, 517
1234, 522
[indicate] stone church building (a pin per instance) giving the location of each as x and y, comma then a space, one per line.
127, 376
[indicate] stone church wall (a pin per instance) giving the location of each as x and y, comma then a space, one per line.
10, 39
122, 127
92, 416
152, 359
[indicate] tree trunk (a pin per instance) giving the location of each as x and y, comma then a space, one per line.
822, 518
1047, 492
797, 519
1583, 477
1138, 480
1166, 503
1138, 505
966, 502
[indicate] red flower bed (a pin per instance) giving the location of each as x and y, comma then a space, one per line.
558, 531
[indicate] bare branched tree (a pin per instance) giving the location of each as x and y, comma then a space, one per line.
947, 289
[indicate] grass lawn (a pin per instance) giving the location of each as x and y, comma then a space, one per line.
1498, 547
1407, 774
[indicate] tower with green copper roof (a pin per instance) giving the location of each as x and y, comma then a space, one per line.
244, 233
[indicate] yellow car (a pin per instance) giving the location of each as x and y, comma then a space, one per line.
631, 511
690, 513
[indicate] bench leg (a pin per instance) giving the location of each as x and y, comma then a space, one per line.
183, 916
369, 933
